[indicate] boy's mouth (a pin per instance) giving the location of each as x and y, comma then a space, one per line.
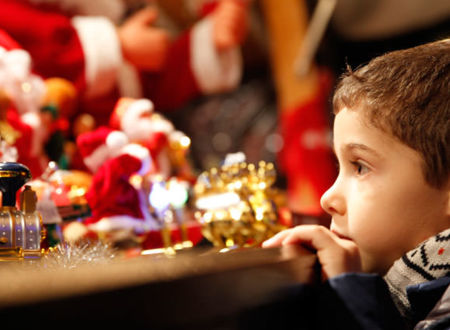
334, 230
340, 235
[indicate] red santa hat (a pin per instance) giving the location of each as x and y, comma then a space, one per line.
100, 145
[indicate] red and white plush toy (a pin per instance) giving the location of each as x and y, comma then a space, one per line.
137, 119
116, 204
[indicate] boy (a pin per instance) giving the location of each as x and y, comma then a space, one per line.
390, 204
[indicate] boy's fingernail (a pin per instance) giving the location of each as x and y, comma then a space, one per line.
267, 242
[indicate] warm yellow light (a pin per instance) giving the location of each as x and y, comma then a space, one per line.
229, 242
185, 142
207, 216
217, 201
220, 215
235, 214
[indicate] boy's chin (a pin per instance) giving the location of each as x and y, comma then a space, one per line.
371, 265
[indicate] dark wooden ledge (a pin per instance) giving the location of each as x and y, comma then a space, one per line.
199, 288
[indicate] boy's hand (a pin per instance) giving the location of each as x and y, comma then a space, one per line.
230, 23
142, 45
336, 255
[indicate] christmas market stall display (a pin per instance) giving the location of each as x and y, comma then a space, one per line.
127, 183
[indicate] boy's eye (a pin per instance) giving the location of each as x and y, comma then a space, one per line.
360, 168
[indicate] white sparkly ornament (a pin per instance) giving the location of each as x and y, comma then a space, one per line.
70, 256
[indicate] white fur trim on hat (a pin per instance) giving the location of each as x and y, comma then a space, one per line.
94, 160
102, 51
115, 141
135, 150
141, 153
214, 71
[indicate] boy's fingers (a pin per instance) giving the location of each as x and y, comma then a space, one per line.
317, 236
276, 240
336, 255
295, 235
300, 234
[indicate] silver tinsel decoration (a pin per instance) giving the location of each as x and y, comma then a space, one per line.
69, 256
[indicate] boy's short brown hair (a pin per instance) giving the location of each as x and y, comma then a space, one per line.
407, 93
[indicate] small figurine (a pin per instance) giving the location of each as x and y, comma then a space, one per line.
141, 124
117, 205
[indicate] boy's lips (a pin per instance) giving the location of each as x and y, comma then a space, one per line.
340, 235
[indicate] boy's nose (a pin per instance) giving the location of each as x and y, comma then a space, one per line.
332, 202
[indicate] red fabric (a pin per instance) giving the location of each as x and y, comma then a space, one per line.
208, 7
7, 42
154, 240
88, 142
307, 163
111, 193
156, 143
100, 107
175, 84
48, 36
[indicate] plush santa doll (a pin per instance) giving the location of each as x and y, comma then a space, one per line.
142, 125
85, 42
116, 204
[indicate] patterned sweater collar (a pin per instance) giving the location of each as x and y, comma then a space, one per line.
428, 261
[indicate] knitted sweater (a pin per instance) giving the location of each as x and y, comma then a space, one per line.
429, 261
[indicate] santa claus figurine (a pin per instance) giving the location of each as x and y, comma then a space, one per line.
107, 54
116, 204
168, 147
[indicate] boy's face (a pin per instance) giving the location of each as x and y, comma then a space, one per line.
380, 199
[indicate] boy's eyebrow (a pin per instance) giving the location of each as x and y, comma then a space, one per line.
352, 146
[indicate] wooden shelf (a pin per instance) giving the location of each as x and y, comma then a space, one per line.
195, 288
